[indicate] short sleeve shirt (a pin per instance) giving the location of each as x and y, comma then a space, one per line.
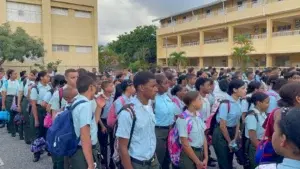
84, 114
54, 101
197, 135
251, 123
11, 87
39, 95
143, 141
165, 110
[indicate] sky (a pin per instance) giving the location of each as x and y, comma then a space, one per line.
119, 16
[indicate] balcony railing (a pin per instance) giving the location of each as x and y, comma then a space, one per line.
170, 46
259, 36
221, 12
190, 44
287, 33
216, 41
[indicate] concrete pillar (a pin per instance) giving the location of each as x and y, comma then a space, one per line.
201, 62
201, 39
46, 30
230, 62
95, 17
230, 36
269, 34
3, 11
178, 42
269, 60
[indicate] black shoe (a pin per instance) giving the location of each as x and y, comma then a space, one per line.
2, 125
21, 138
13, 135
28, 142
49, 154
210, 164
36, 158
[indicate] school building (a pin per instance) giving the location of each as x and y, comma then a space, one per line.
206, 33
68, 28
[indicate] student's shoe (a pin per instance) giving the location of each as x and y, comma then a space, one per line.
212, 159
211, 164
36, 159
2, 125
21, 138
28, 142
13, 135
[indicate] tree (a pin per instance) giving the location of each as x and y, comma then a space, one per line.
177, 59
128, 44
48, 66
243, 47
18, 45
140, 60
106, 57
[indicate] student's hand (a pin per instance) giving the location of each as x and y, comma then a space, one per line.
204, 162
199, 165
93, 166
19, 109
103, 129
36, 123
100, 102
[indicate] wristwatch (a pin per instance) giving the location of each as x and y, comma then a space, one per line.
95, 166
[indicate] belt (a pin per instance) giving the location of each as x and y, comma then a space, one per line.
10, 95
93, 147
197, 149
143, 163
162, 127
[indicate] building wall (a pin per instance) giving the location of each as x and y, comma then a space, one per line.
57, 29
268, 45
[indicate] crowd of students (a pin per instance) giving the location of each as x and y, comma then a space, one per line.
135, 116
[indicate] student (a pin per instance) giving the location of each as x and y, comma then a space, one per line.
141, 151
23, 104
249, 77
273, 93
228, 129
171, 80
71, 76
37, 94
293, 76
286, 141
108, 89
204, 87
182, 80
2, 79
10, 90
178, 93
191, 80
85, 118
195, 149
221, 95
254, 131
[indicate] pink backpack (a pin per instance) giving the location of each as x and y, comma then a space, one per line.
176, 101
112, 115
174, 145
48, 121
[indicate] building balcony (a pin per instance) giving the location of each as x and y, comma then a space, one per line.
286, 33
170, 46
286, 42
190, 44
221, 40
221, 48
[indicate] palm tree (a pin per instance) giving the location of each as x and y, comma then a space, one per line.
243, 47
177, 59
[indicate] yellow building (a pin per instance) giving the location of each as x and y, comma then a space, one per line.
68, 28
206, 33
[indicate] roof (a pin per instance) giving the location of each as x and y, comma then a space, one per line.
192, 9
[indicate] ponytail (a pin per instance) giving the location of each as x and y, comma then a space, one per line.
257, 97
40, 75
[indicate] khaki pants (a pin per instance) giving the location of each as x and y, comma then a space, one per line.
187, 163
154, 165
78, 160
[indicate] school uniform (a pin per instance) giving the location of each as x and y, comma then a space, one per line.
274, 97
232, 119
190, 88
287, 163
84, 114
206, 108
11, 87
254, 122
38, 94
196, 139
180, 104
245, 104
103, 137
143, 141
54, 101
25, 128
165, 110
118, 103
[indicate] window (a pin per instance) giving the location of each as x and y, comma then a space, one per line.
240, 5
221, 11
83, 14
284, 28
20, 12
83, 49
263, 30
59, 11
60, 48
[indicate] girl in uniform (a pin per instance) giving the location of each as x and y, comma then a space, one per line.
228, 118
165, 111
178, 92
9, 93
194, 144
39, 112
23, 104
255, 118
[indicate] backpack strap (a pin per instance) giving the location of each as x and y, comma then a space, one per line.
252, 112
60, 95
24, 82
36, 88
51, 91
72, 107
228, 105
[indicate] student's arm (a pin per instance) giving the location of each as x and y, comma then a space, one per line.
251, 124
20, 96
124, 155
4, 95
223, 110
237, 131
86, 143
54, 101
123, 134
205, 153
33, 102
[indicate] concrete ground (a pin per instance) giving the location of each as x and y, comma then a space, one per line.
15, 154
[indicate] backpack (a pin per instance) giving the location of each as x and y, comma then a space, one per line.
211, 121
61, 136
116, 156
174, 145
38, 145
112, 116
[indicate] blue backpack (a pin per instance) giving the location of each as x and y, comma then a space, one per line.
61, 138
